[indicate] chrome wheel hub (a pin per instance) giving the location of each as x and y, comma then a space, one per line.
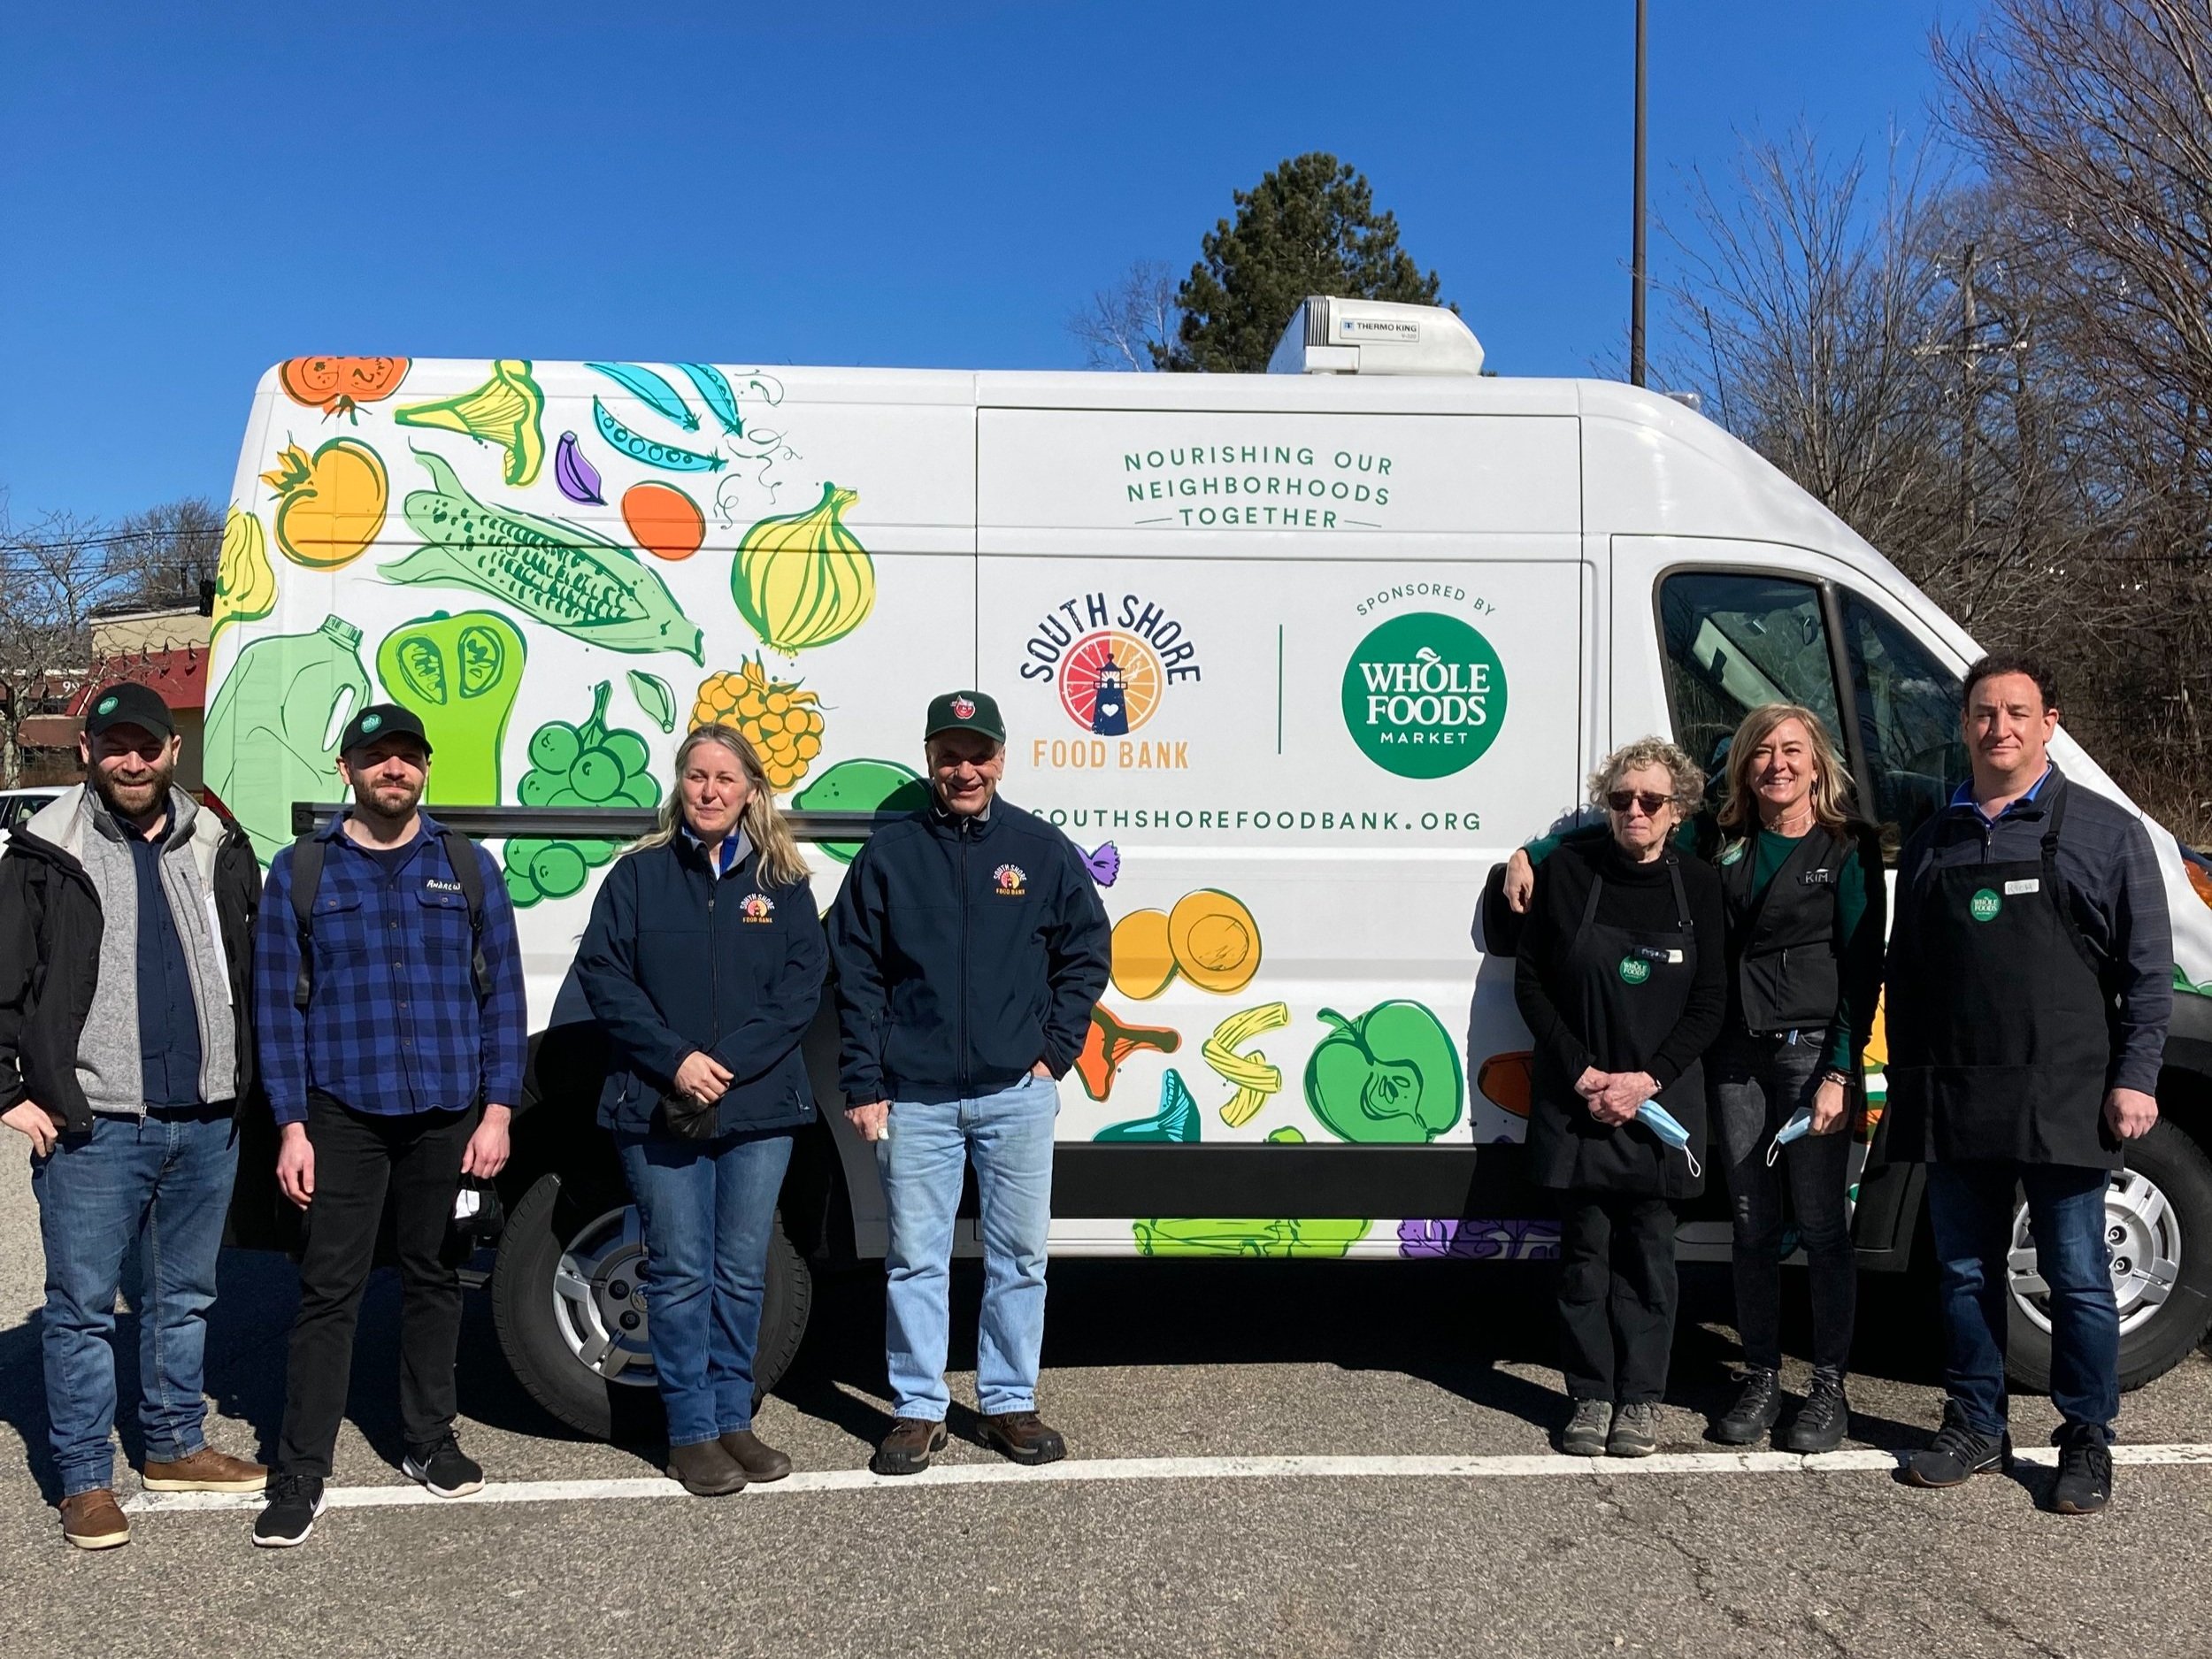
2142, 1238
599, 1298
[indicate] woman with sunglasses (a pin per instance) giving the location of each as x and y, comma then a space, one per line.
1621, 980
1804, 899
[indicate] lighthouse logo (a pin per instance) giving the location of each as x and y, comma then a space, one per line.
1424, 695
1110, 682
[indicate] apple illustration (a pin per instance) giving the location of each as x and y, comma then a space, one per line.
1391, 1077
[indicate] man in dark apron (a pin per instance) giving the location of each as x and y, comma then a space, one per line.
2029, 987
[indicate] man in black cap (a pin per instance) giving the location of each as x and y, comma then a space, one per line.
970, 948
126, 933
390, 981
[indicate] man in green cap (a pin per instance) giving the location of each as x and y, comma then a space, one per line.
970, 948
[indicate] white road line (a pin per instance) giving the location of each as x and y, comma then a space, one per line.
1487, 1468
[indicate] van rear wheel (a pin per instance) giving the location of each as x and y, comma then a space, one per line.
569, 1307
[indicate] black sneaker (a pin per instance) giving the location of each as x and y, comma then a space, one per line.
1755, 1412
2085, 1470
295, 1500
1959, 1452
1821, 1421
444, 1469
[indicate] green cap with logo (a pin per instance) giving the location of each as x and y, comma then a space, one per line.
965, 712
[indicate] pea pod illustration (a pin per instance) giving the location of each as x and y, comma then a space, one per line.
649, 390
637, 447
714, 386
1391, 1077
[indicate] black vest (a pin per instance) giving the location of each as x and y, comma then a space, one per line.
1786, 945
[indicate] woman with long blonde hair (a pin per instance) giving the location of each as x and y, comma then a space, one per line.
703, 963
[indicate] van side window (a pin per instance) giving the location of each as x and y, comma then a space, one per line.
1908, 721
1736, 640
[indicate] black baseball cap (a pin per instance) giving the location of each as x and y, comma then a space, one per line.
128, 704
381, 720
965, 712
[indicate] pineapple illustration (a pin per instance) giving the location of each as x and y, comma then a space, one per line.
782, 722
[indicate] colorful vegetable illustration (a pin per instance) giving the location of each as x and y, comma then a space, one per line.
1286, 1135
1512, 1239
862, 786
782, 722
504, 411
577, 766
653, 696
273, 731
461, 674
1176, 1121
578, 478
1109, 1041
1142, 964
714, 386
665, 521
1286, 1239
649, 390
1391, 1076
245, 584
1104, 862
1256, 1081
1216, 941
667, 457
331, 504
1504, 1081
804, 579
339, 386
561, 574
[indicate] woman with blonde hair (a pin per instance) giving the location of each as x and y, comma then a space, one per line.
703, 963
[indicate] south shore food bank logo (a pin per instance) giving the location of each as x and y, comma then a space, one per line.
1424, 695
1115, 661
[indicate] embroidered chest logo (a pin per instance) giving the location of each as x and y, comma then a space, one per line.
1635, 970
436, 886
1012, 880
1984, 906
757, 907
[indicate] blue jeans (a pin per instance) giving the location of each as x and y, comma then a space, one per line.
163, 1183
1009, 1137
1970, 1206
706, 1207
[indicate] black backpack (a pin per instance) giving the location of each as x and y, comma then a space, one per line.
307, 875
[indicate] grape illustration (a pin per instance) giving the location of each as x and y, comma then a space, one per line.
580, 765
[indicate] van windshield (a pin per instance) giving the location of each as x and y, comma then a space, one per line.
1735, 642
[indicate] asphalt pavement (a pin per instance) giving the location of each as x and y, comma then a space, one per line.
1193, 1517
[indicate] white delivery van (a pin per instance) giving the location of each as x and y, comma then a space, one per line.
1295, 658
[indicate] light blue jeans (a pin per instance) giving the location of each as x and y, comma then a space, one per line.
164, 1183
1009, 1137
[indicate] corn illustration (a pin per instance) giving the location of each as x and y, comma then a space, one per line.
782, 722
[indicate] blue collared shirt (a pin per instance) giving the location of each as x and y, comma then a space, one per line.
731, 854
1964, 796
393, 1025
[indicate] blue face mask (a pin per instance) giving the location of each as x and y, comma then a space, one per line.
1800, 1125
1661, 1122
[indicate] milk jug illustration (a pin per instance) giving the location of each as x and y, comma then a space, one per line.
272, 734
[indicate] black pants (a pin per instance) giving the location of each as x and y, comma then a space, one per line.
1616, 1295
359, 1159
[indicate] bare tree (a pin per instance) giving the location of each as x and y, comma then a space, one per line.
159, 557
1126, 325
54, 572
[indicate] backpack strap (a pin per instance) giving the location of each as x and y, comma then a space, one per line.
460, 852
307, 876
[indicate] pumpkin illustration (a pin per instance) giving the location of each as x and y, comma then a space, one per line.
339, 385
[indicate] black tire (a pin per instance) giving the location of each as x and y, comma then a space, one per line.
540, 1228
2173, 1163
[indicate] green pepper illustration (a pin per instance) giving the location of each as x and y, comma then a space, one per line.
1293, 1238
1176, 1121
460, 674
1391, 1076
577, 766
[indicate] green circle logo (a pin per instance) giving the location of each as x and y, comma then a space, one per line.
1634, 970
1984, 905
107, 705
370, 722
1424, 695
1734, 855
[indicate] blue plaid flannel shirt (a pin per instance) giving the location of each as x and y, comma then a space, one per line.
394, 1025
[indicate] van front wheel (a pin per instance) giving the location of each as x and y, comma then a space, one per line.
2158, 1228
570, 1309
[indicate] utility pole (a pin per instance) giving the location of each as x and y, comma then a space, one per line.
1966, 412
1637, 274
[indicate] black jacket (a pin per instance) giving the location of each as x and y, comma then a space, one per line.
676, 962
966, 952
1792, 964
51, 924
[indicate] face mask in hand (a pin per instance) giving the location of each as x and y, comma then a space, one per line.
1661, 1122
1800, 1125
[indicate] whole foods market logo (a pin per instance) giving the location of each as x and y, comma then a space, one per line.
1984, 906
108, 705
1635, 970
1424, 695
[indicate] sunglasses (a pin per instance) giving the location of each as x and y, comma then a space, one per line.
1621, 799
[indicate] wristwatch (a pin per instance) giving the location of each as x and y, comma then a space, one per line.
1841, 1079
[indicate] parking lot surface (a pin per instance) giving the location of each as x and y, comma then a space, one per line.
1265, 1458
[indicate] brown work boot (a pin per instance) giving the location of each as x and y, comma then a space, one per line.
1025, 1437
705, 1471
206, 1470
759, 1461
908, 1447
94, 1520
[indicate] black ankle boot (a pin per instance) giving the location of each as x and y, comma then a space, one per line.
1821, 1420
1755, 1412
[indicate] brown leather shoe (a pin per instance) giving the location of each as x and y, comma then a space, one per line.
705, 1471
206, 1470
94, 1520
759, 1461
908, 1447
1025, 1437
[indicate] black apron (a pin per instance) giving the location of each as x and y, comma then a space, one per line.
2009, 1043
1622, 991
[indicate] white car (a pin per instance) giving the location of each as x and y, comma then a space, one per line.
18, 805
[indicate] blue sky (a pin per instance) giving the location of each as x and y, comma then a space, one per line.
191, 193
